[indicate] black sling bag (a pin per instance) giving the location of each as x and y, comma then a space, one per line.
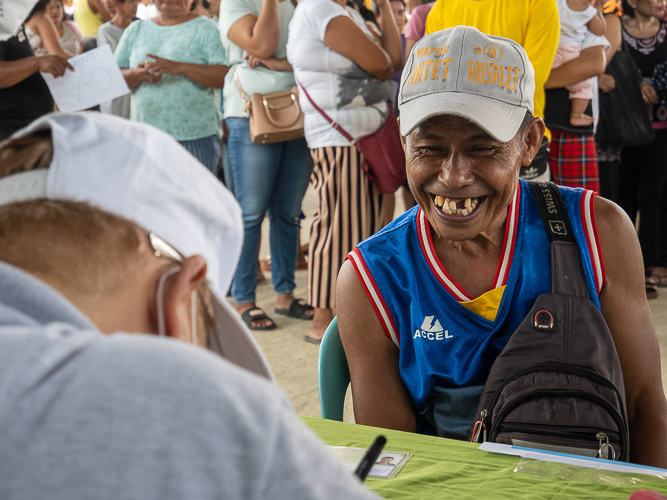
558, 384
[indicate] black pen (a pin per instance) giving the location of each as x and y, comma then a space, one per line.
371, 456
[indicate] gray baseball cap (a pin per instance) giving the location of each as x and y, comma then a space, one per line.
461, 71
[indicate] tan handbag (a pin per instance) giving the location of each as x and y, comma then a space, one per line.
274, 117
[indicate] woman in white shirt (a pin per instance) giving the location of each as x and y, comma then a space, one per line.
344, 65
271, 177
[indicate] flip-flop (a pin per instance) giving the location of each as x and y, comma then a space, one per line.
311, 340
297, 309
660, 274
651, 288
265, 264
248, 318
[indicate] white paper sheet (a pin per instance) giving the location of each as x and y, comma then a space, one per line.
96, 78
564, 458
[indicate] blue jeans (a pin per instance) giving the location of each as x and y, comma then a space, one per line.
271, 177
206, 150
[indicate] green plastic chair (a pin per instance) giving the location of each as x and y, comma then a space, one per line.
333, 374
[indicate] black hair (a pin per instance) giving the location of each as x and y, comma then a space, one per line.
205, 3
527, 120
627, 10
40, 6
366, 14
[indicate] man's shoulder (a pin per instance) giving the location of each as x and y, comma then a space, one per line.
141, 357
610, 218
162, 370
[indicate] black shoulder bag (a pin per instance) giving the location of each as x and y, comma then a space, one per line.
624, 119
558, 383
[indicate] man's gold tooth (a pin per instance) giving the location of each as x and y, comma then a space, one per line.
439, 200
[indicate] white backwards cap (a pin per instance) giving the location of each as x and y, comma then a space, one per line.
140, 173
488, 80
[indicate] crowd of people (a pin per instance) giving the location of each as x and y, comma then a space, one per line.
470, 252
569, 43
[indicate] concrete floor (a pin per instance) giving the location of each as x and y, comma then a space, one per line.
294, 361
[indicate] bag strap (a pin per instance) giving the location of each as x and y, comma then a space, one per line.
567, 272
76, 33
552, 211
326, 116
244, 97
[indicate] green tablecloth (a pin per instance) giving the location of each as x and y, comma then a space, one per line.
444, 468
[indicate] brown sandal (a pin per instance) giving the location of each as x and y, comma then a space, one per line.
660, 274
651, 287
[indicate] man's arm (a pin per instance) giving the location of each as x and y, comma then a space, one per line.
13, 72
97, 7
598, 24
591, 62
626, 311
380, 397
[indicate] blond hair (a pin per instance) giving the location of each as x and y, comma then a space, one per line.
87, 251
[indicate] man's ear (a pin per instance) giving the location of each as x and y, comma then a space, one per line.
177, 297
532, 138
399, 134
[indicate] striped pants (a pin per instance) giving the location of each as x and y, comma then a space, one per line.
349, 211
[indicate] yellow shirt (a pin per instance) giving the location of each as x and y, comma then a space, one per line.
87, 20
534, 24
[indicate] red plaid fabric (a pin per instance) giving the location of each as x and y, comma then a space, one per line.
573, 160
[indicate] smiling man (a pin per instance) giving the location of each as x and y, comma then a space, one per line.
426, 305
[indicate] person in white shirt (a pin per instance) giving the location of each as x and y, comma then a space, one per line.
345, 68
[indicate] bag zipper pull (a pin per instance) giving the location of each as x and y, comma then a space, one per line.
479, 428
603, 450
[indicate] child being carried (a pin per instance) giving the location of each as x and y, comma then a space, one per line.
577, 17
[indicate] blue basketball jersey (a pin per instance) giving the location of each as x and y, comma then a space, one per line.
446, 347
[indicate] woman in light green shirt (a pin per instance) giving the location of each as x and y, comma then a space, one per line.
173, 63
